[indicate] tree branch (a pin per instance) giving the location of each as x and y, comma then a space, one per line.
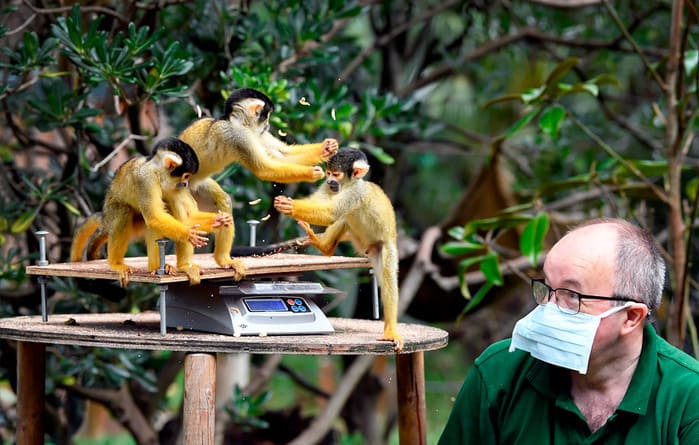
387, 38
529, 33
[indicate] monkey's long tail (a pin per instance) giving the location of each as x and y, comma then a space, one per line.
82, 236
91, 236
270, 249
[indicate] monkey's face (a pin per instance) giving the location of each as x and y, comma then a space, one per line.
183, 181
334, 179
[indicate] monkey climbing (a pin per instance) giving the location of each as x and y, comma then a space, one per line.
143, 191
358, 210
242, 136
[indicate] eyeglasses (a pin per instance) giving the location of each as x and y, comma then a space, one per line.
567, 300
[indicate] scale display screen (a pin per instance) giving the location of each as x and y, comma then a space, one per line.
265, 305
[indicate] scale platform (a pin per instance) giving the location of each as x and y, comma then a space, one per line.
258, 268
249, 308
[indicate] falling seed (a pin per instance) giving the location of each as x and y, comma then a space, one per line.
255, 201
332, 113
303, 101
266, 217
281, 133
263, 334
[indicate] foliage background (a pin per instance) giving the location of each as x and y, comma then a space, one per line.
492, 125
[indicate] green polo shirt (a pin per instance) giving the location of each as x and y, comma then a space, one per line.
511, 398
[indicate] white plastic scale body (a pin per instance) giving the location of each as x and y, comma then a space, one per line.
249, 308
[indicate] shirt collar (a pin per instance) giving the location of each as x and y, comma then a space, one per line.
644, 377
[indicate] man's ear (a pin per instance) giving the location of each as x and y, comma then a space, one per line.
635, 315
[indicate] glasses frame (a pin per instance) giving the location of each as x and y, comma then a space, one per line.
573, 292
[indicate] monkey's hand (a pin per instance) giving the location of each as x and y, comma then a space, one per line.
222, 220
395, 337
318, 173
197, 237
312, 239
284, 204
330, 147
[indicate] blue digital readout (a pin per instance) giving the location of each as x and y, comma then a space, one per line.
265, 305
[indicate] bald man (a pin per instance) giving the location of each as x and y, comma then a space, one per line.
585, 366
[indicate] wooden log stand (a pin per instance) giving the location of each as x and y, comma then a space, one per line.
141, 332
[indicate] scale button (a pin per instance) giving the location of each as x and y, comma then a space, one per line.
295, 308
298, 302
302, 308
291, 301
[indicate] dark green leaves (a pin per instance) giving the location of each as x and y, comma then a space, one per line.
475, 242
122, 60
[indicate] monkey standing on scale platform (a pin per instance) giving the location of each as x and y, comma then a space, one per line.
137, 202
242, 136
360, 211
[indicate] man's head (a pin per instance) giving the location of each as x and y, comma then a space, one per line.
610, 257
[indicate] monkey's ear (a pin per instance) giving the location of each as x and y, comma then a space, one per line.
171, 161
359, 169
255, 107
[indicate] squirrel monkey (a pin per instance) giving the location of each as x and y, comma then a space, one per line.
143, 191
242, 136
360, 211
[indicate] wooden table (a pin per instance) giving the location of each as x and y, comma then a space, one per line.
141, 331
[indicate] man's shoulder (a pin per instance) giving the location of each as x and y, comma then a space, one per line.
677, 361
499, 353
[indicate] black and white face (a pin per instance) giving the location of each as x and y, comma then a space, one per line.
333, 178
183, 183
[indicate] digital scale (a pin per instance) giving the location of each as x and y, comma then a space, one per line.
249, 308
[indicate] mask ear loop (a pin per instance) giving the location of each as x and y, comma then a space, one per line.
615, 309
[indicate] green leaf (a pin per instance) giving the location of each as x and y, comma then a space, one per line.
559, 71
505, 98
532, 95
491, 269
551, 119
461, 248
691, 60
22, 223
475, 301
691, 188
532, 240
71, 208
591, 88
521, 123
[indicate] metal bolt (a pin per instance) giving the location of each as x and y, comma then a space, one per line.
42, 247
253, 231
162, 242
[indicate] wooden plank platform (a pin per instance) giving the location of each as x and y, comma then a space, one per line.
257, 266
141, 332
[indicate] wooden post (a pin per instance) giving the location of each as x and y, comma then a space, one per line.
31, 383
199, 411
412, 414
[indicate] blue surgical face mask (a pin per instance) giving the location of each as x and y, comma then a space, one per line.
558, 338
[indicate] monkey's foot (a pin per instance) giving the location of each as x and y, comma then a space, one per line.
169, 269
237, 266
395, 337
123, 270
192, 271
